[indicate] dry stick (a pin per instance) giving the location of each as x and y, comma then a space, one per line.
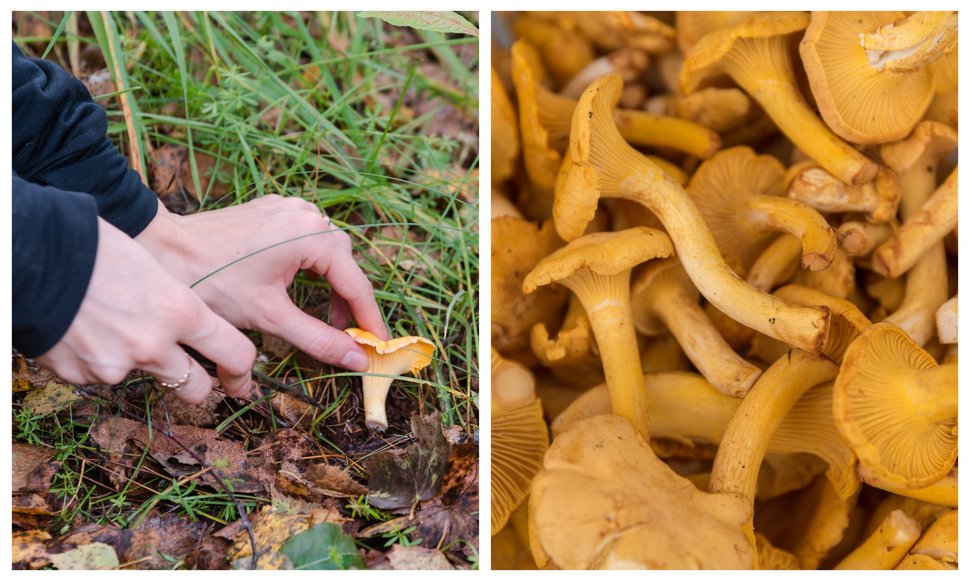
134, 151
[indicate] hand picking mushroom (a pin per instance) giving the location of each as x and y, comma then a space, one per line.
388, 360
756, 55
897, 408
602, 164
596, 268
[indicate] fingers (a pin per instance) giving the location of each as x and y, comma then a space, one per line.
224, 345
313, 336
349, 282
177, 370
339, 312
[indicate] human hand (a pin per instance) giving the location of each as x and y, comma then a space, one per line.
272, 238
135, 315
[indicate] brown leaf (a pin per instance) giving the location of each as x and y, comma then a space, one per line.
172, 173
179, 412
210, 554
320, 481
52, 397
30, 549
112, 435
401, 478
417, 558
99, 83
294, 410
32, 470
271, 529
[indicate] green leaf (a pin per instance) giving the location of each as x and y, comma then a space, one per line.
94, 556
323, 547
448, 22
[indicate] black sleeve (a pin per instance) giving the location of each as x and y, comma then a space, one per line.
60, 139
55, 240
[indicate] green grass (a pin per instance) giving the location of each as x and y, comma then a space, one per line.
329, 107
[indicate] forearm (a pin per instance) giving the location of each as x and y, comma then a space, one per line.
55, 239
60, 139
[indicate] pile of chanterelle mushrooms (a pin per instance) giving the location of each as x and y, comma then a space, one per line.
724, 313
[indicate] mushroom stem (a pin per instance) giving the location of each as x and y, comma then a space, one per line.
776, 264
765, 406
912, 43
936, 218
946, 322
943, 492
885, 547
879, 198
607, 303
766, 73
648, 130
797, 219
601, 164
726, 370
861, 238
375, 395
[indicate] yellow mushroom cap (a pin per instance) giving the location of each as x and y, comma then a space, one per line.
505, 132
604, 253
517, 246
519, 437
896, 407
696, 24
704, 65
861, 103
395, 356
605, 501
387, 360
722, 186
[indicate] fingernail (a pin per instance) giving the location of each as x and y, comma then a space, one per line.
355, 361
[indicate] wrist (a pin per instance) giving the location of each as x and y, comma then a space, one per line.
165, 239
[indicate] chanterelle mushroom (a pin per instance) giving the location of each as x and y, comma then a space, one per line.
741, 197
601, 164
596, 268
873, 87
388, 359
897, 408
519, 437
604, 500
756, 55
664, 299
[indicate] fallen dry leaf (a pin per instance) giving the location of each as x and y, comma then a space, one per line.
96, 556
52, 397
271, 529
30, 549
172, 172
319, 482
32, 475
417, 558
401, 478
